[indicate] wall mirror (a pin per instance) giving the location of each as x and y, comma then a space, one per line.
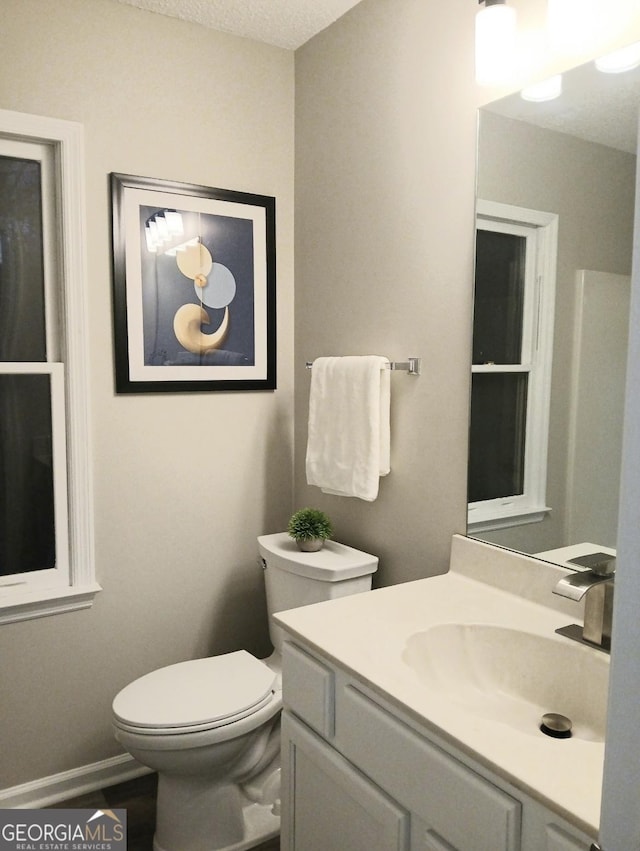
568, 165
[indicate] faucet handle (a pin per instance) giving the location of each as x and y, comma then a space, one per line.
602, 564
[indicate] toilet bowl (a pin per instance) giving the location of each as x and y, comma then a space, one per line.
207, 726
210, 727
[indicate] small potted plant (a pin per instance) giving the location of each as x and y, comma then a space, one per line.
310, 527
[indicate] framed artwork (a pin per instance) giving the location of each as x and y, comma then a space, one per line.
194, 272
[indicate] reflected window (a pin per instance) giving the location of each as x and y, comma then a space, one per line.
497, 435
499, 296
512, 348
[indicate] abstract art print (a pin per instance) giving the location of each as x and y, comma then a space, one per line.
194, 287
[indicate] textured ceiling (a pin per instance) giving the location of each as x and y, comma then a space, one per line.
598, 107
283, 23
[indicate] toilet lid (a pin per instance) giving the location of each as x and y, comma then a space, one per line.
201, 694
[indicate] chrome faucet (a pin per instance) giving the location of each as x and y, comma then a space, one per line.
596, 586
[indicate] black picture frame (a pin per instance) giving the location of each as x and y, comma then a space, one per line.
185, 256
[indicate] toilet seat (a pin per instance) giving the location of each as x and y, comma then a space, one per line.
193, 696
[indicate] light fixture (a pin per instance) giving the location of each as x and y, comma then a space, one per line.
573, 23
163, 230
625, 59
182, 247
579, 25
495, 42
548, 89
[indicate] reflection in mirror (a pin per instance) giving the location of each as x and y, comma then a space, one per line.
572, 159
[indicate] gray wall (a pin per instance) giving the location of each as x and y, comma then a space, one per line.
591, 188
183, 483
385, 163
620, 823
385, 154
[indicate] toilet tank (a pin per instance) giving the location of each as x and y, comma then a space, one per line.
294, 578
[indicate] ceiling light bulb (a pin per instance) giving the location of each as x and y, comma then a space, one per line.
163, 229
573, 23
625, 59
548, 89
151, 242
174, 222
495, 42
153, 231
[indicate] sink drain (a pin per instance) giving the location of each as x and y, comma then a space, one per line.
555, 725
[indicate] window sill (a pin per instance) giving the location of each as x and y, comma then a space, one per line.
486, 520
22, 605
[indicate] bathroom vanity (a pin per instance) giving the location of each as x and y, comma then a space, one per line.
411, 717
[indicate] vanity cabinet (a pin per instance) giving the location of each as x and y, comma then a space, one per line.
359, 775
335, 805
559, 840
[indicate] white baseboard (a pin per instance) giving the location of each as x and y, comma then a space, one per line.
70, 784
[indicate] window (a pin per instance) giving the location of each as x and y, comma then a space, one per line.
46, 533
511, 371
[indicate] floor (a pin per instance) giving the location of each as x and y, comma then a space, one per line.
138, 797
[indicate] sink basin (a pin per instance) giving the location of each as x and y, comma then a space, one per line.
512, 677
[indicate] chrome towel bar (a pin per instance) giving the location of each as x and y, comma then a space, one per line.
411, 366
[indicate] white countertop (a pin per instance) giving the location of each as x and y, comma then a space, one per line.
367, 633
563, 555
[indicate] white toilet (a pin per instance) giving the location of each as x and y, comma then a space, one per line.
211, 727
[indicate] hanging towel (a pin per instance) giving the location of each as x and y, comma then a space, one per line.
349, 435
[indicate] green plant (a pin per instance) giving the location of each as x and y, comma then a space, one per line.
309, 523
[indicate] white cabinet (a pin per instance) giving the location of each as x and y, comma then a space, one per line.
335, 805
434, 786
559, 840
359, 776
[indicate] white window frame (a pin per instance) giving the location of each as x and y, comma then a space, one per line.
537, 355
72, 584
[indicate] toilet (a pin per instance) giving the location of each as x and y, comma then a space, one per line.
211, 727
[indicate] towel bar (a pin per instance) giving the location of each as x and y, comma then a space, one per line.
411, 366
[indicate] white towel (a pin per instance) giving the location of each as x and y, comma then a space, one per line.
349, 435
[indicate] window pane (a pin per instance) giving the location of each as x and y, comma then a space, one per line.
497, 435
27, 530
22, 318
499, 297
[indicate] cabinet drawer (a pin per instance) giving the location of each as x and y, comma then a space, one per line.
462, 808
308, 689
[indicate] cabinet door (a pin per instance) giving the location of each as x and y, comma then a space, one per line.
463, 810
559, 840
330, 806
434, 842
